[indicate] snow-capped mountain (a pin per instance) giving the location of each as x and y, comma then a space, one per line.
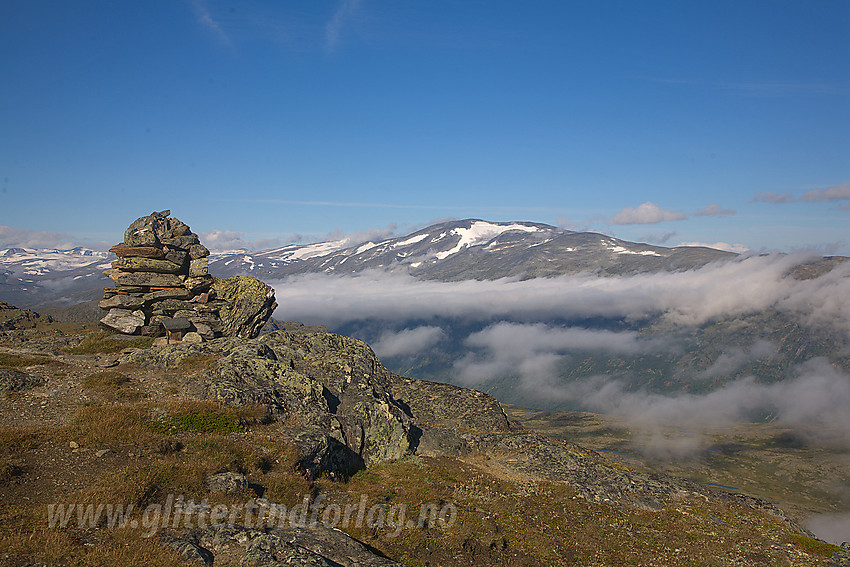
456, 250
470, 249
30, 276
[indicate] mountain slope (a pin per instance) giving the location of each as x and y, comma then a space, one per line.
472, 249
451, 251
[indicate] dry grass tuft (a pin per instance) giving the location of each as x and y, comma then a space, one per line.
101, 341
9, 360
195, 364
106, 380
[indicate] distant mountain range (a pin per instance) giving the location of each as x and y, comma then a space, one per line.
471, 249
35, 277
451, 251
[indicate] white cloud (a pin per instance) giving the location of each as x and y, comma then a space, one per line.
12, 237
647, 213
813, 403
737, 247
407, 341
372, 234
224, 240
732, 360
228, 240
535, 351
834, 528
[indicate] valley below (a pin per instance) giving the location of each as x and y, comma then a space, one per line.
811, 483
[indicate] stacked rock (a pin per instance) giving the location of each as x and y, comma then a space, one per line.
162, 273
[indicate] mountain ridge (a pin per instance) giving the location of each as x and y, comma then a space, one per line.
472, 249
450, 251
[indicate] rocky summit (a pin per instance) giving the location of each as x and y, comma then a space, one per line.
161, 275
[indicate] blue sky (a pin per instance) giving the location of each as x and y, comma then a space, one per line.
259, 123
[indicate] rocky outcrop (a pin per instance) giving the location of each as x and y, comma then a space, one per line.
329, 390
14, 319
161, 273
14, 381
316, 545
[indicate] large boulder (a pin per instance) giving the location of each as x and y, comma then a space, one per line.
123, 320
248, 305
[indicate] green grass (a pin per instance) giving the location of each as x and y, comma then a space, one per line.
814, 546
208, 417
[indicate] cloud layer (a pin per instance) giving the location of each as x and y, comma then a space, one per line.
723, 289
508, 341
407, 341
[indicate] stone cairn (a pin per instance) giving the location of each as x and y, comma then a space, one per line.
162, 274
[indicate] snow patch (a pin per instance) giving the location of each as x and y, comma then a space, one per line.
478, 233
411, 240
364, 247
621, 250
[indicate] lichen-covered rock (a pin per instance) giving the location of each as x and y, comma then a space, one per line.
248, 305
146, 279
122, 301
123, 320
142, 264
198, 267
321, 452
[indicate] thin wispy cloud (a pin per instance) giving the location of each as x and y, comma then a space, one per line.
830, 194
342, 16
771, 197
714, 210
206, 20
737, 247
340, 204
764, 89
